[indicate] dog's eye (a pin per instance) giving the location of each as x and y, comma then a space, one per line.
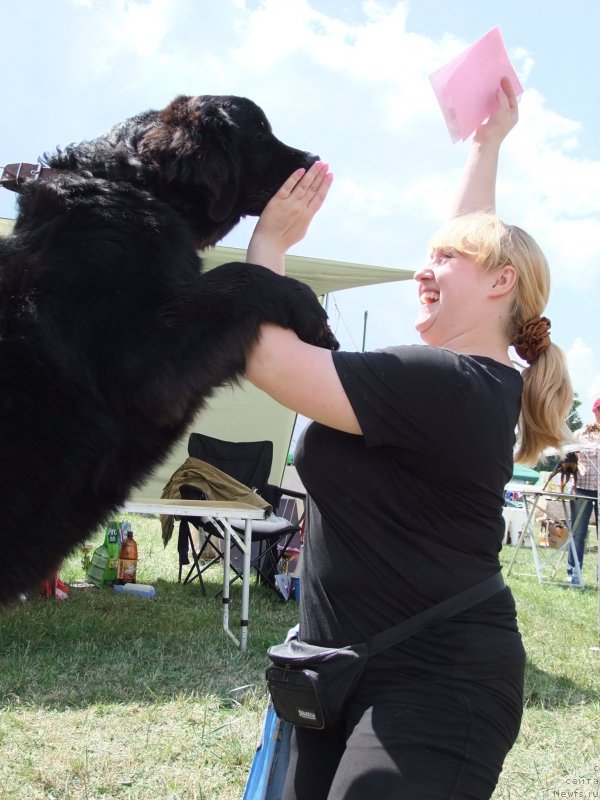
263, 131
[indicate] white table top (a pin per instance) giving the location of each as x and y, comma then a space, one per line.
195, 508
528, 488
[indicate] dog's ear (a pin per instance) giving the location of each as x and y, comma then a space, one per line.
190, 146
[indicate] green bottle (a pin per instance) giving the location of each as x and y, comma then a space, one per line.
113, 543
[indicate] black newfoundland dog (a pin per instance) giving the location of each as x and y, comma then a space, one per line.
111, 337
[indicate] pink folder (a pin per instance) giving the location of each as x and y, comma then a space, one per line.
466, 86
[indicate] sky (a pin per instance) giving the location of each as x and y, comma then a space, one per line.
348, 80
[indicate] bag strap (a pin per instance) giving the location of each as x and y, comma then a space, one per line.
447, 608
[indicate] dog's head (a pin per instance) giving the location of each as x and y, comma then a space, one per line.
213, 158
217, 159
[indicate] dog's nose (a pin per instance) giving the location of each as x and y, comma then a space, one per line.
311, 159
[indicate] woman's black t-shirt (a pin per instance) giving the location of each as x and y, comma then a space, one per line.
410, 512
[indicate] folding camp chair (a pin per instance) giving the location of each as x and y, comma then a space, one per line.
250, 464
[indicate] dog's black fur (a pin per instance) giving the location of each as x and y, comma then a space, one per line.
111, 337
568, 468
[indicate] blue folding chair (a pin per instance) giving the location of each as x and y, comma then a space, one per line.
270, 762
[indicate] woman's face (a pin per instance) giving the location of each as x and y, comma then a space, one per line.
452, 288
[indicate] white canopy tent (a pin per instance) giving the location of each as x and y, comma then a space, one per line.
243, 413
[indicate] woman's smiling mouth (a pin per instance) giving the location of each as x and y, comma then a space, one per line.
427, 298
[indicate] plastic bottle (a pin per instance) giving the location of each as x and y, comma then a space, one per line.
138, 589
98, 569
113, 543
127, 560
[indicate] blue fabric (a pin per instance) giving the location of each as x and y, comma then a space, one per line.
269, 766
580, 526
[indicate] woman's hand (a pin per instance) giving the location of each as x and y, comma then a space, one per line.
503, 119
287, 216
279, 356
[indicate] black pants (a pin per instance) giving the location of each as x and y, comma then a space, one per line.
418, 740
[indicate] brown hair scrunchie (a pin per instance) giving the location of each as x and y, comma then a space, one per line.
533, 338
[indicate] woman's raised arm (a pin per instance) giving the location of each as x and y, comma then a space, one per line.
298, 375
477, 190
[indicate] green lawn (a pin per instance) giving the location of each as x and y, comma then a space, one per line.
106, 696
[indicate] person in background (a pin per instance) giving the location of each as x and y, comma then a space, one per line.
587, 486
405, 466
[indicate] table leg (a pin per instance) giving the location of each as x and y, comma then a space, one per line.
524, 533
246, 586
226, 570
532, 539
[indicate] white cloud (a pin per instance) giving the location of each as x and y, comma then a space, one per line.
272, 33
365, 201
377, 52
523, 63
430, 196
129, 27
362, 51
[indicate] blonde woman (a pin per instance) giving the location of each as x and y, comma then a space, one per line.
410, 450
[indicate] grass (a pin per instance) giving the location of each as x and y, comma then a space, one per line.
107, 696
558, 749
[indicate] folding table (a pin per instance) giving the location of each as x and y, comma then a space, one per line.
219, 514
542, 560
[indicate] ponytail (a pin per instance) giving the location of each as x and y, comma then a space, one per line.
546, 402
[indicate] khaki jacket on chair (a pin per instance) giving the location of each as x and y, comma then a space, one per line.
217, 485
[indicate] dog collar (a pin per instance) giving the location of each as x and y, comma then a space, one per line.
14, 176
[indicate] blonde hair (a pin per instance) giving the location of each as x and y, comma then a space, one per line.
547, 393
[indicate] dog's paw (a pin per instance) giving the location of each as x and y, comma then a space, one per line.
327, 339
309, 320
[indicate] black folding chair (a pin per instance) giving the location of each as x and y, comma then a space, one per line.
250, 464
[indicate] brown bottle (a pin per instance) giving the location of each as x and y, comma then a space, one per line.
128, 554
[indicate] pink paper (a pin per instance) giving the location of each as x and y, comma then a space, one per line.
466, 86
